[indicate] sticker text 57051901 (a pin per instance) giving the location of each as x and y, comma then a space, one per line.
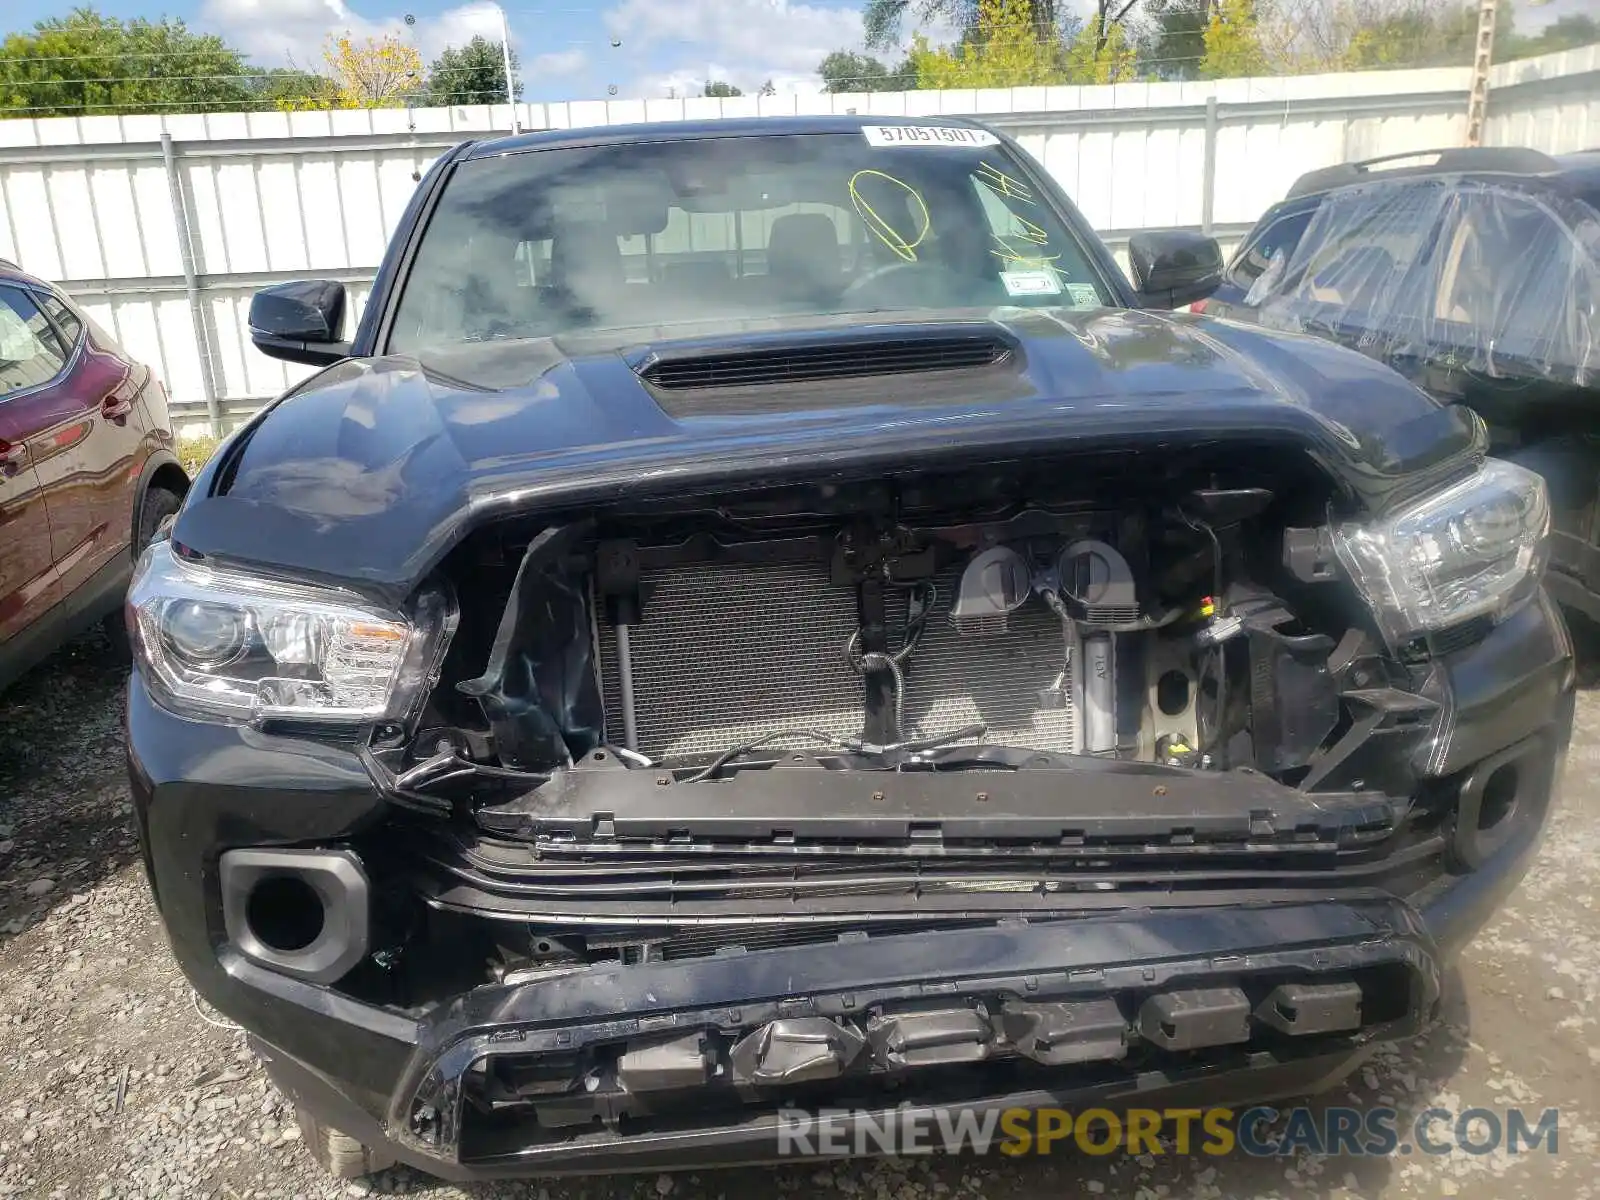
928, 135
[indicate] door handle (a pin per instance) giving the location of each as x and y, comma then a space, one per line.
13, 455
113, 408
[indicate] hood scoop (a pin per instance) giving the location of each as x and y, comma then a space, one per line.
788, 362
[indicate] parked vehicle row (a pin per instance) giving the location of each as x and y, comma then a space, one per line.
762, 614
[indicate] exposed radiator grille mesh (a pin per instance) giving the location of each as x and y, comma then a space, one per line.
729, 652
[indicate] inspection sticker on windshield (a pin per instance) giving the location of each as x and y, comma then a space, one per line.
927, 135
1031, 282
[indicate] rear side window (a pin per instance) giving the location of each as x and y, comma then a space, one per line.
1358, 252
1516, 275
1274, 245
66, 320
30, 352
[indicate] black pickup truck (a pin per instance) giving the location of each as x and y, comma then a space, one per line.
761, 615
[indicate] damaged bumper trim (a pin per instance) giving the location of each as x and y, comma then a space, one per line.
722, 1029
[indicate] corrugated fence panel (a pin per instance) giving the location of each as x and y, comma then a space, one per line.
269, 196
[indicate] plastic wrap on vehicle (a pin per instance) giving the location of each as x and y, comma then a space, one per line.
1472, 276
540, 691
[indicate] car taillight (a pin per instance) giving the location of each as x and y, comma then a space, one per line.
1199, 306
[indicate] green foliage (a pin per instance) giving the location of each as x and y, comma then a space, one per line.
1101, 53
86, 63
843, 71
718, 87
473, 74
881, 19
1564, 33
1175, 38
1005, 50
1232, 42
289, 89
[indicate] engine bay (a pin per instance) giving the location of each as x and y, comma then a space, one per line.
1033, 610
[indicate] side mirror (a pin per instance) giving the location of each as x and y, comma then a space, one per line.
301, 322
1173, 267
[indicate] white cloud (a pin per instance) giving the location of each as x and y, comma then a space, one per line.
276, 31
767, 39
559, 62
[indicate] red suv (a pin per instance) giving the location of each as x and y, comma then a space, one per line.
87, 470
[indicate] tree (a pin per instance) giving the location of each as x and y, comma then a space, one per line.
474, 74
1232, 42
881, 19
716, 87
1101, 53
378, 73
1175, 38
1004, 51
1354, 35
85, 63
290, 89
844, 71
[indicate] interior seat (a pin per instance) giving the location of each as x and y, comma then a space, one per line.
803, 261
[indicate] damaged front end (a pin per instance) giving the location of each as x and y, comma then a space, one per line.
1061, 776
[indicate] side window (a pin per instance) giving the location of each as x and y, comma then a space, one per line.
1360, 248
1513, 279
30, 352
1273, 248
66, 320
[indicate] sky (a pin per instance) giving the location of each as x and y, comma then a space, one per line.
567, 50
572, 51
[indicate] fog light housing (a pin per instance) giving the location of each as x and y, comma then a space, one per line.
301, 912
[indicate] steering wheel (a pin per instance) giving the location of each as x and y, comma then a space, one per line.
870, 288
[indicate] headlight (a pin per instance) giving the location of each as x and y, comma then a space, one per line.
220, 643
1474, 549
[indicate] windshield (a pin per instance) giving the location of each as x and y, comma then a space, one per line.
545, 242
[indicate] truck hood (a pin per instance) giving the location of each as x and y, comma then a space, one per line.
372, 469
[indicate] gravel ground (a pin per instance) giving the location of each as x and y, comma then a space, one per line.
114, 1084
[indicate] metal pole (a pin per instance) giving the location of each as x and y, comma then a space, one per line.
1483, 56
191, 283
511, 87
1208, 196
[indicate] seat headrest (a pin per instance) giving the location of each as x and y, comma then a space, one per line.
586, 257
803, 247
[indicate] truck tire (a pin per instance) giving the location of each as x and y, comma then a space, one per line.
158, 504
338, 1153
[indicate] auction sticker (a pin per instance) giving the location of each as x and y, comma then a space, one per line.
927, 135
1031, 282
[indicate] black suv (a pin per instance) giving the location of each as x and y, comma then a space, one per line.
1477, 275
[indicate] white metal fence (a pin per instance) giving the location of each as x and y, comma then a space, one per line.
163, 226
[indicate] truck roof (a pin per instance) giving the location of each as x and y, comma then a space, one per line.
677, 131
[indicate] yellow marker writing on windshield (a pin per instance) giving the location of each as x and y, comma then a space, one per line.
905, 247
1001, 184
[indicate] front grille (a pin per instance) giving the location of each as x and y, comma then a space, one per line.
727, 653
843, 360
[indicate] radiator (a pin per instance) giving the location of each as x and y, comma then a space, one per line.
727, 653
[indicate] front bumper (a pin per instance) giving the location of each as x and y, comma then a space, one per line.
937, 1012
